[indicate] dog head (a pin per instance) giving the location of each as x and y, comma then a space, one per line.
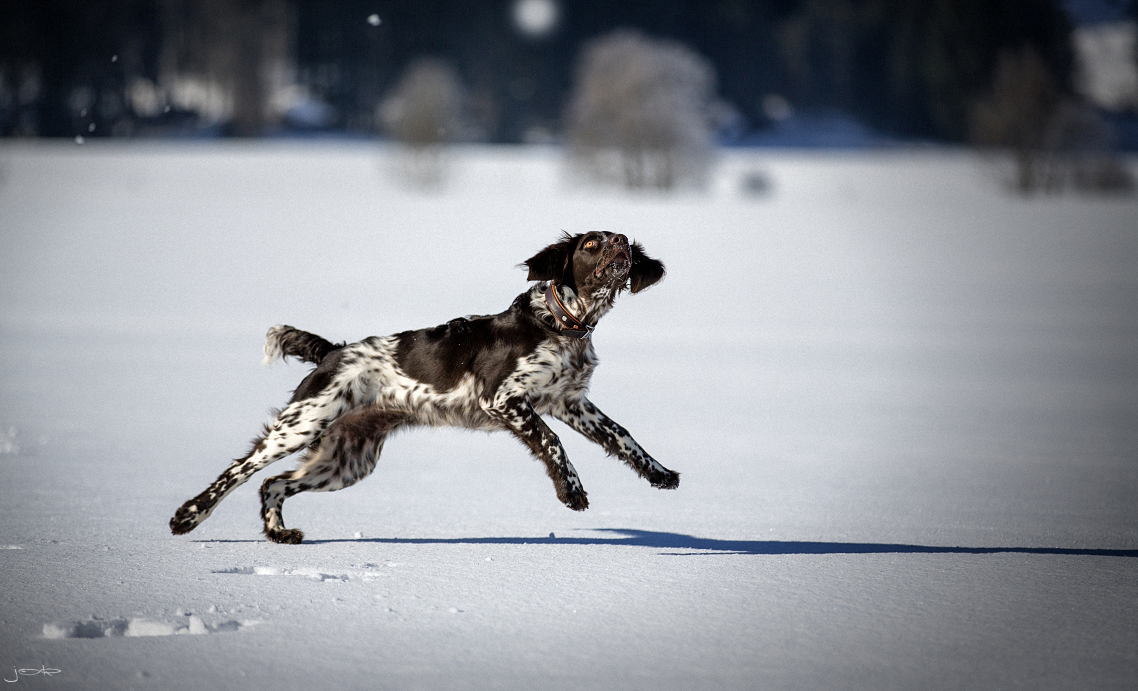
595, 261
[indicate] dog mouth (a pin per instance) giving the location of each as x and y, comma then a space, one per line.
618, 263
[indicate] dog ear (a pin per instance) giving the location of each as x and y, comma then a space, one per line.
645, 270
554, 263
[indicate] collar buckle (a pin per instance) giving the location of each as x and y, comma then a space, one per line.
570, 326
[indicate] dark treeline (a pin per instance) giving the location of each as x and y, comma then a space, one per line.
911, 68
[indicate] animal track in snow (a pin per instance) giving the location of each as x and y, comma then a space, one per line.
128, 628
314, 574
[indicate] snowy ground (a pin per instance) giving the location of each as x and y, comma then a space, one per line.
905, 408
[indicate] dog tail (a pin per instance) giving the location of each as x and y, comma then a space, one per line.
282, 341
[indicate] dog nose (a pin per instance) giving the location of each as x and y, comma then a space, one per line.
618, 239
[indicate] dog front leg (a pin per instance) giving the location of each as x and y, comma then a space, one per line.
586, 418
516, 414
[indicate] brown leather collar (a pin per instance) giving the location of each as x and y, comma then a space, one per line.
570, 325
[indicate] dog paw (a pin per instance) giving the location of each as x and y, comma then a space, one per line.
285, 537
666, 480
578, 502
575, 498
185, 519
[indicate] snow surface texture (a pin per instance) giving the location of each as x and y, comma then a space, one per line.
905, 407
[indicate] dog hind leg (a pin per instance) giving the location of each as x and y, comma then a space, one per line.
293, 429
346, 454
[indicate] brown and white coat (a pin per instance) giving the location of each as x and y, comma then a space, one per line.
493, 372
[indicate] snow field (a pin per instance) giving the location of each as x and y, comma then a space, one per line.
903, 406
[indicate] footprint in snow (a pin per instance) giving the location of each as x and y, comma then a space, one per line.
314, 574
129, 628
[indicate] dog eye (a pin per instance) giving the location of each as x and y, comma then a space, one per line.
590, 244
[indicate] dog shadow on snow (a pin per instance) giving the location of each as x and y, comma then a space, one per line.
691, 545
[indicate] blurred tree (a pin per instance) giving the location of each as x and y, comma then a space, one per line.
1054, 140
1018, 114
907, 67
425, 112
641, 112
912, 67
64, 64
218, 58
817, 47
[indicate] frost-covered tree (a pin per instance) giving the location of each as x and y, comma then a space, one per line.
424, 112
642, 112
